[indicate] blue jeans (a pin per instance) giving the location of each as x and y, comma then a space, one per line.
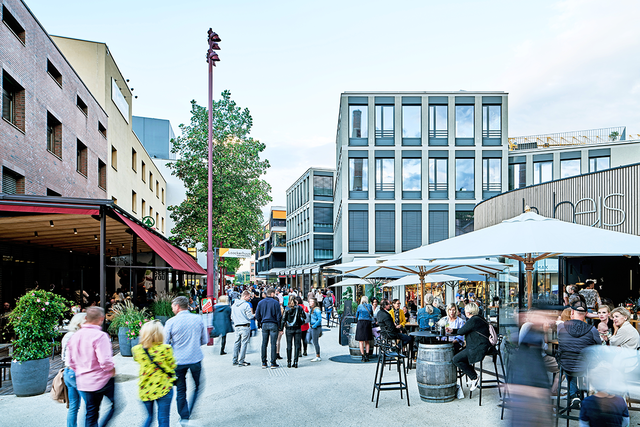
74, 397
184, 409
164, 409
92, 400
269, 332
328, 311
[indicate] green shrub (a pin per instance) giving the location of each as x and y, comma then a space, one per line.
34, 320
162, 304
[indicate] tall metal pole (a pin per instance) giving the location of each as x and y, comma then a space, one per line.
212, 57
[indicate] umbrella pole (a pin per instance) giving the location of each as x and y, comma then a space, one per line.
421, 274
528, 267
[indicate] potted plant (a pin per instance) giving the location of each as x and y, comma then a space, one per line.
126, 321
161, 307
34, 320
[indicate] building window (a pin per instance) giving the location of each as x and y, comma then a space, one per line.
102, 129
411, 121
411, 174
144, 172
114, 200
322, 185
12, 102
384, 175
163, 196
464, 222
438, 226
384, 121
157, 220
12, 183
465, 180
492, 175
491, 121
114, 158
542, 172
322, 248
151, 181
81, 158
151, 211
438, 121
143, 209
50, 192
134, 202
54, 73
13, 24
134, 160
385, 231
82, 105
517, 176
162, 224
411, 229
358, 125
102, 174
358, 175
358, 231
438, 175
54, 136
464, 121
157, 189
569, 168
323, 219
597, 164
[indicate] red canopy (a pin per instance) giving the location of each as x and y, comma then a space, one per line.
175, 257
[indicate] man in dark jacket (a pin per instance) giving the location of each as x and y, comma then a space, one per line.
574, 336
268, 315
388, 328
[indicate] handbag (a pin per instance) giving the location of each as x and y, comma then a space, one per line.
59, 389
168, 374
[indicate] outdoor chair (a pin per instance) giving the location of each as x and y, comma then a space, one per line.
5, 366
565, 412
483, 383
390, 355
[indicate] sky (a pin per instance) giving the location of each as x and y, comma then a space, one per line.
567, 65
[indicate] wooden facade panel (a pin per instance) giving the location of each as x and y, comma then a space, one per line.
608, 199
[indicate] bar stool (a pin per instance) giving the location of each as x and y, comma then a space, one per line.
565, 412
494, 352
390, 355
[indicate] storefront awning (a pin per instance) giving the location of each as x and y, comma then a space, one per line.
175, 257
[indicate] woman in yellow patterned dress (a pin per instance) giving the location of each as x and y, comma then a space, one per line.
157, 372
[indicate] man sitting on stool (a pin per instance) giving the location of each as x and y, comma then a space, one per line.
388, 327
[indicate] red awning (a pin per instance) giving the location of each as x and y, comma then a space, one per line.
48, 209
175, 257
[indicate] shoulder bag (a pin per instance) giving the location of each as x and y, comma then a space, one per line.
168, 374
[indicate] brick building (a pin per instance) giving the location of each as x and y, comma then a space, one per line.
53, 131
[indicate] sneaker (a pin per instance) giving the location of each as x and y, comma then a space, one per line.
575, 403
235, 363
473, 384
264, 366
316, 359
275, 366
244, 364
304, 354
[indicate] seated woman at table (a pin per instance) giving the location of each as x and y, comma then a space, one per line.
397, 314
428, 313
451, 322
604, 314
624, 334
476, 334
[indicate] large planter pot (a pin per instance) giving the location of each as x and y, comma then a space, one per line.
30, 378
124, 342
162, 319
134, 342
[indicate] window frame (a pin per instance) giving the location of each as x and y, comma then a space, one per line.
537, 175
459, 122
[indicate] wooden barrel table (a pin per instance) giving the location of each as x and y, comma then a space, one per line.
435, 373
354, 346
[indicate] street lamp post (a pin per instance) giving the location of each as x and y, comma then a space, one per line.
212, 58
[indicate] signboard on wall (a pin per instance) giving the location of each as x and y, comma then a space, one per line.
235, 253
118, 98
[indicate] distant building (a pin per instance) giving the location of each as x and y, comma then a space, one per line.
309, 228
155, 135
271, 256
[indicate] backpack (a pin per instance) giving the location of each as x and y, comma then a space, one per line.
493, 336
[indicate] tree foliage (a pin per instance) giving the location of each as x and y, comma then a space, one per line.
238, 191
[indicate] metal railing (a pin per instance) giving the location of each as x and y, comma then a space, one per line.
438, 186
582, 137
438, 133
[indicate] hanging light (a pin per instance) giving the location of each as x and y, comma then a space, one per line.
35, 233
109, 241
95, 237
75, 231
51, 223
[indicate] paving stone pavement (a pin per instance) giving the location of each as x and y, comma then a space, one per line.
322, 394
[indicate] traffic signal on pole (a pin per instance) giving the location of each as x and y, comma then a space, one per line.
213, 46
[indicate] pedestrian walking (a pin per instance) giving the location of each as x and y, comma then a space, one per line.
328, 308
69, 375
269, 317
157, 372
242, 316
222, 322
292, 320
186, 333
91, 358
364, 316
316, 326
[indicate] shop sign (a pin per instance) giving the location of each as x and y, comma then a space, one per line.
590, 206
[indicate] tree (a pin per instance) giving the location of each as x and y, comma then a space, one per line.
238, 191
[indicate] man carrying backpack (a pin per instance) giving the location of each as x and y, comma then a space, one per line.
328, 307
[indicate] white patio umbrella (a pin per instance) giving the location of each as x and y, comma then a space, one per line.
414, 279
528, 238
378, 267
350, 282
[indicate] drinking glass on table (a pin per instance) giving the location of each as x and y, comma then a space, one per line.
431, 324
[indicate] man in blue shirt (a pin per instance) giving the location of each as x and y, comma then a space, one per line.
268, 315
186, 333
